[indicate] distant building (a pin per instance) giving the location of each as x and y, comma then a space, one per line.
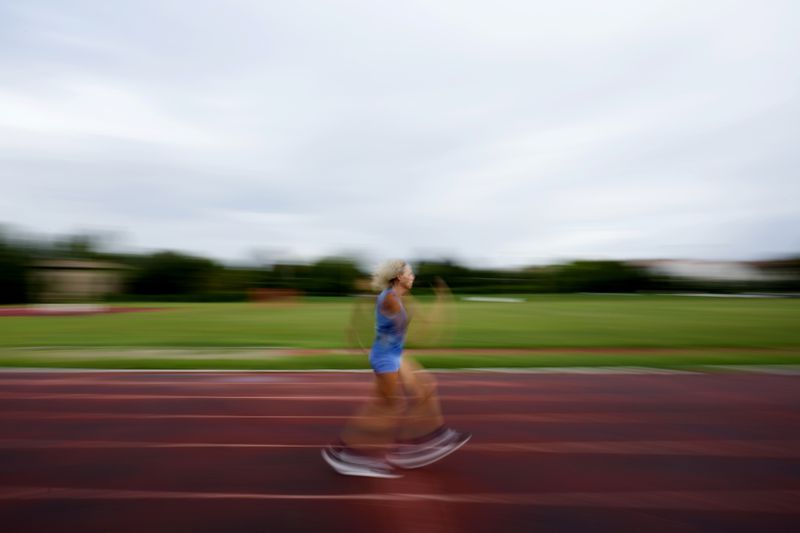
67, 280
706, 270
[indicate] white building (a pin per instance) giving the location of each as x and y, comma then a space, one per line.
76, 281
706, 270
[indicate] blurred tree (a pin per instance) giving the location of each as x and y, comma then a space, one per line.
785, 274
600, 276
332, 276
172, 273
284, 276
455, 275
76, 247
233, 279
87, 246
14, 273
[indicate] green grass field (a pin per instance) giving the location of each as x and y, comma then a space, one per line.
686, 330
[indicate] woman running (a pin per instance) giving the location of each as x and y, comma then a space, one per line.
404, 409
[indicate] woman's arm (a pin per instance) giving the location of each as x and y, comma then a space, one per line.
433, 327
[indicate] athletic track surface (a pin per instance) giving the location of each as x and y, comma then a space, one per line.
239, 452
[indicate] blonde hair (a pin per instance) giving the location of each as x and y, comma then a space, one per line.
386, 273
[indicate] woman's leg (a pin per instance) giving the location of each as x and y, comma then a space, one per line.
376, 423
423, 414
423, 437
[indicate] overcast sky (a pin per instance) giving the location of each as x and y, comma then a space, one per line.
497, 133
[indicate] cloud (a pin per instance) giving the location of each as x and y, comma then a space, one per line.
506, 134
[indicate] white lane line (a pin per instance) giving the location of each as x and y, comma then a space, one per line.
41, 444
627, 370
187, 371
752, 501
785, 370
87, 396
605, 370
364, 385
782, 449
13, 415
244, 380
659, 418
573, 396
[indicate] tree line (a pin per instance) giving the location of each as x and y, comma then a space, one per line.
173, 275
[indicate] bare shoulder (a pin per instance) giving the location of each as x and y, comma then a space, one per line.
391, 304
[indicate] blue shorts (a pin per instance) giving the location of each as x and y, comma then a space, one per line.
383, 362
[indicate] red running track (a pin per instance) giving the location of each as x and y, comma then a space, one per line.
239, 452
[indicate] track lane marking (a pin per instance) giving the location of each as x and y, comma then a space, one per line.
752, 501
658, 418
539, 398
783, 449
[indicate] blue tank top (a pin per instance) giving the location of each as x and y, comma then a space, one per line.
390, 331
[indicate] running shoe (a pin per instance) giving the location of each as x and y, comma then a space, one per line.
410, 456
350, 464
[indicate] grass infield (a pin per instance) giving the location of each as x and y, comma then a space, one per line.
543, 331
